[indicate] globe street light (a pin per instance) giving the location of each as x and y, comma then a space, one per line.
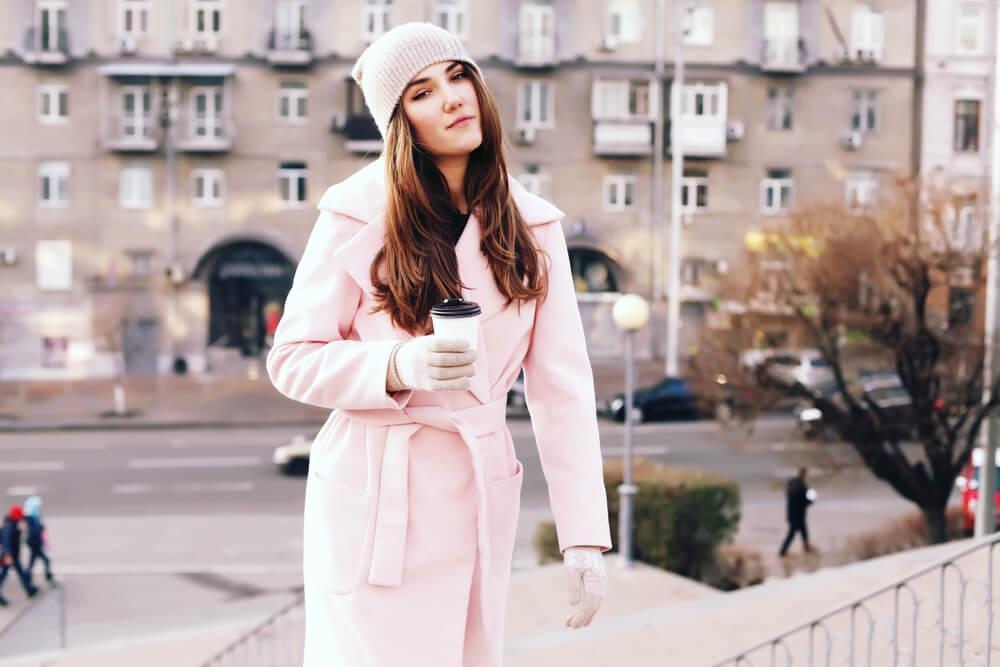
630, 312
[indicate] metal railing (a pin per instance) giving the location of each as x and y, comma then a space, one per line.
918, 620
276, 642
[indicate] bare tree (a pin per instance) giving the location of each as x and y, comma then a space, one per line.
892, 282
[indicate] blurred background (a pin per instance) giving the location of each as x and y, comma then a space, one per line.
161, 162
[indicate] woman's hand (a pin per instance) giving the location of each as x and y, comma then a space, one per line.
433, 363
588, 583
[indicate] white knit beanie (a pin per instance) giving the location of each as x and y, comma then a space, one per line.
388, 64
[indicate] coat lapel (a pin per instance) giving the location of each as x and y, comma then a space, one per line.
362, 199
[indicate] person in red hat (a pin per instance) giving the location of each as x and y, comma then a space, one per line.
10, 551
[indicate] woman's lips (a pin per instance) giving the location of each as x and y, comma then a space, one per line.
461, 123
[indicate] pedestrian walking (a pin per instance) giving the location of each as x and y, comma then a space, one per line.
413, 493
10, 551
35, 538
798, 497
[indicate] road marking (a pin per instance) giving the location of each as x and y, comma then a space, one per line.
22, 491
203, 462
132, 489
637, 449
32, 466
224, 487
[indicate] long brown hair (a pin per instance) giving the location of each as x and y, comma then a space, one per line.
421, 268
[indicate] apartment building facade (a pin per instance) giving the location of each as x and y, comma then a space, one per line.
161, 183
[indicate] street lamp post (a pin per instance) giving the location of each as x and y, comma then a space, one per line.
630, 312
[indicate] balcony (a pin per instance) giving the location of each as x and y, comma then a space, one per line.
362, 134
130, 134
703, 136
205, 134
535, 49
289, 48
786, 55
46, 46
623, 138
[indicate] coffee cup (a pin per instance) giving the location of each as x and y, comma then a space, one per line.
457, 318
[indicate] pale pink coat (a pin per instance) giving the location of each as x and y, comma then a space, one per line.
412, 499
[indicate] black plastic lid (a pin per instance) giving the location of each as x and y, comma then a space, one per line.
456, 308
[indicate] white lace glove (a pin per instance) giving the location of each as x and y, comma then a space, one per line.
435, 363
588, 583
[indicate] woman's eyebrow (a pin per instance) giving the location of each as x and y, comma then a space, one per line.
425, 79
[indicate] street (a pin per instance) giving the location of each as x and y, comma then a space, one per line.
148, 527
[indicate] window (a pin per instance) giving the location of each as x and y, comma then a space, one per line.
293, 100
535, 104
53, 104
970, 29
592, 270
867, 33
55, 351
135, 188
206, 17
703, 100
624, 21
133, 17
701, 24
140, 262
694, 190
453, 16
967, 126
776, 191
374, 18
207, 187
51, 26
206, 112
54, 265
53, 185
864, 113
781, 33
533, 180
860, 191
691, 272
292, 177
619, 193
290, 25
137, 111
536, 40
780, 107
621, 100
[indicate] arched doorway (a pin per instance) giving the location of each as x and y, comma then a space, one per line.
247, 284
593, 270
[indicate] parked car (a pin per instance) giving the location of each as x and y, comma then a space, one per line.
805, 367
293, 459
670, 398
968, 484
885, 389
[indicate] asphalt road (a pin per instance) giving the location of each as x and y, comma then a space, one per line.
114, 473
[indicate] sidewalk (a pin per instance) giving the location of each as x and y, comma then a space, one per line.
194, 401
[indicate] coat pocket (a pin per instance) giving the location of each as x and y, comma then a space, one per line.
335, 525
504, 507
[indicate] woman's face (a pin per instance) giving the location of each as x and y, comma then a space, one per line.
436, 102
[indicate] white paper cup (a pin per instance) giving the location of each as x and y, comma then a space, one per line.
455, 318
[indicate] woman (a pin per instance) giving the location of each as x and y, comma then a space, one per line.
414, 487
36, 536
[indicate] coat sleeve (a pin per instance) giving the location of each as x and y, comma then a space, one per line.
312, 360
559, 391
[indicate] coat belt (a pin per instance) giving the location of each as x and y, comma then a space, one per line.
389, 546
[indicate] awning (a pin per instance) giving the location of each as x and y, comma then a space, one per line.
167, 69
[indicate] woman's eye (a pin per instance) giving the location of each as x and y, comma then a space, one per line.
458, 75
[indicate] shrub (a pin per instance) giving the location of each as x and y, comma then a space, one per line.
680, 517
909, 532
737, 567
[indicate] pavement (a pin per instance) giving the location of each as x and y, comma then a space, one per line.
649, 618
196, 401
